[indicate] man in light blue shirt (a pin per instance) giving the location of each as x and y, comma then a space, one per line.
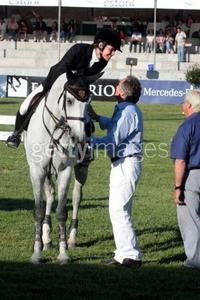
123, 144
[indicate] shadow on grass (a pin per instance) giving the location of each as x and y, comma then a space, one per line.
16, 204
93, 281
167, 243
93, 242
9, 102
28, 204
96, 199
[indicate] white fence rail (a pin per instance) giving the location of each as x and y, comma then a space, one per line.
6, 120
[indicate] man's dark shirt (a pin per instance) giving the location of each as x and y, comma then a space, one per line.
186, 143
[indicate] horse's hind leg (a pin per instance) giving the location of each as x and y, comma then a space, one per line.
37, 178
81, 172
47, 225
61, 212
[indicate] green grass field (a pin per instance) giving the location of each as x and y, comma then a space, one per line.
162, 275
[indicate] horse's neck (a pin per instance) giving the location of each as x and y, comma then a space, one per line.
52, 108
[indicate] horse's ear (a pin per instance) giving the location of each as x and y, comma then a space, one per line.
93, 78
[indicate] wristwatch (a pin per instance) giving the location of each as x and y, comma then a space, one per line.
177, 187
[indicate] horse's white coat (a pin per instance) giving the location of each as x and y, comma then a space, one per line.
37, 142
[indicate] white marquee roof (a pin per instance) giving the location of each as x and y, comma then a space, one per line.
162, 4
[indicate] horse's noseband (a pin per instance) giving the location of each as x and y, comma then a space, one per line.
81, 94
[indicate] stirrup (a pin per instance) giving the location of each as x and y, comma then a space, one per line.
13, 141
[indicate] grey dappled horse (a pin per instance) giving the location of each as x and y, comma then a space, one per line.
51, 143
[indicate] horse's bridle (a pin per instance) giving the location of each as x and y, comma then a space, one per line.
81, 95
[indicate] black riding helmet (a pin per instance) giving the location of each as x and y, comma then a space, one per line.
110, 37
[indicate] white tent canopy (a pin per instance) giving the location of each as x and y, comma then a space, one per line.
29, 2
161, 4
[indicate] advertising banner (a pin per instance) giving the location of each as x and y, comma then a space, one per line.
3, 86
17, 86
153, 91
163, 91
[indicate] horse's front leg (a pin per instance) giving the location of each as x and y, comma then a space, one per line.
49, 190
37, 178
61, 212
81, 173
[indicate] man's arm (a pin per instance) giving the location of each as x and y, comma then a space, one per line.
179, 172
104, 122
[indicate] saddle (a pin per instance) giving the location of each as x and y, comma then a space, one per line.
80, 93
32, 107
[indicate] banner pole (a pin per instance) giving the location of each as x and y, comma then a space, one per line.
59, 21
154, 56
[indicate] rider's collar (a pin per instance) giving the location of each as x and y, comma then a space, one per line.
94, 58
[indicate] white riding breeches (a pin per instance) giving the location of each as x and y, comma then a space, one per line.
25, 104
124, 176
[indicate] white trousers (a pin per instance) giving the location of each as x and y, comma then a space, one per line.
25, 104
124, 176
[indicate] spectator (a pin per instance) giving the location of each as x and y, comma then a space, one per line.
99, 22
71, 30
15, 13
121, 34
114, 26
185, 151
54, 32
122, 37
189, 22
64, 29
160, 42
23, 30
149, 45
2, 29
136, 40
40, 30
169, 42
183, 26
12, 28
180, 40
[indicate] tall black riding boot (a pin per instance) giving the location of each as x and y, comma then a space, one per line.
14, 140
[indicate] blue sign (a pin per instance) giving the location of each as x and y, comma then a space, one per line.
163, 91
153, 91
3, 86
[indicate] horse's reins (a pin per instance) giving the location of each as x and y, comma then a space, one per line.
63, 122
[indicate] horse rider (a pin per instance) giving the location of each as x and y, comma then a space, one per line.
82, 59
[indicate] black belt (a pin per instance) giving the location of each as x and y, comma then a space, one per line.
194, 168
113, 159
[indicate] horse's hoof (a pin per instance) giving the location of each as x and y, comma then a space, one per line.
63, 260
71, 245
47, 246
36, 260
